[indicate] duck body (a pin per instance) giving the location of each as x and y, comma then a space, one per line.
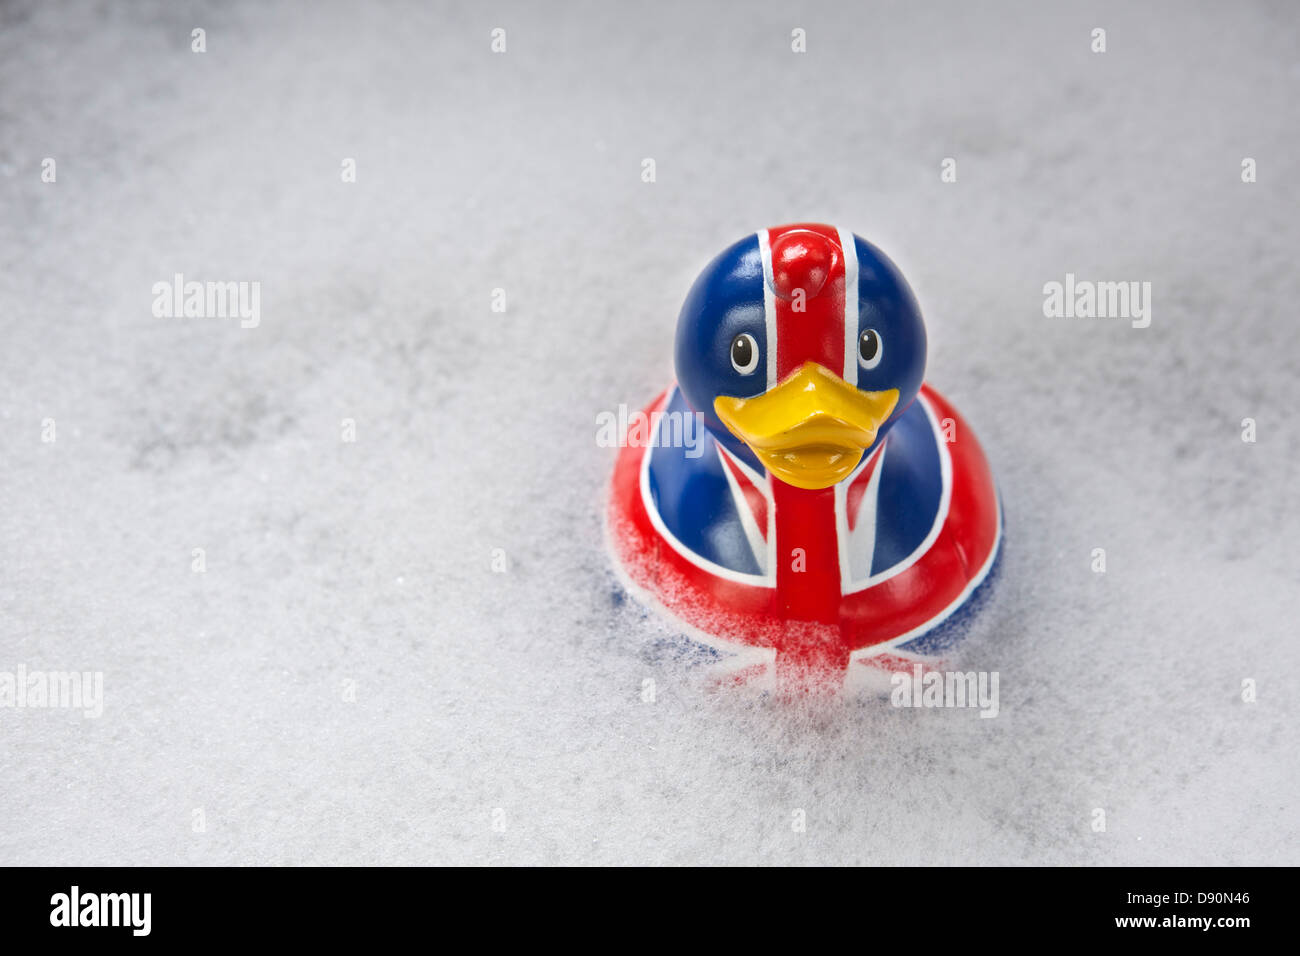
838, 512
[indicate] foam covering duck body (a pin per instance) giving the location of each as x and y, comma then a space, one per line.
840, 512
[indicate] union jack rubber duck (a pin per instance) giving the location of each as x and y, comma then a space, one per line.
840, 513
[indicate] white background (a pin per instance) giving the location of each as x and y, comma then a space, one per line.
371, 562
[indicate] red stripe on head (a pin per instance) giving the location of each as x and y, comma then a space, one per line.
808, 284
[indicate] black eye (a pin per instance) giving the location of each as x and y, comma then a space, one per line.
744, 353
870, 349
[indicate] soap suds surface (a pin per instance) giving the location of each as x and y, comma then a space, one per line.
351, 679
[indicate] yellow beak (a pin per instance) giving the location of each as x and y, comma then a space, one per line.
811, 429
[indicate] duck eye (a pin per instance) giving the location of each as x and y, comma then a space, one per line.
744, 353
870, 349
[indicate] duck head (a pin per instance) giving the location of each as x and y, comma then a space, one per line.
801, 346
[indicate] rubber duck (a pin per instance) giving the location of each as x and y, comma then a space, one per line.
839, 514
